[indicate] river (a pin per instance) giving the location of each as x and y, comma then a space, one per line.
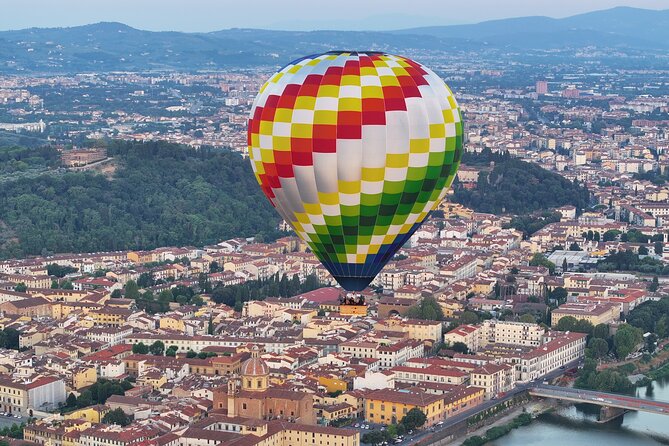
575, 425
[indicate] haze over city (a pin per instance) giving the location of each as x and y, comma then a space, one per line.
212, 15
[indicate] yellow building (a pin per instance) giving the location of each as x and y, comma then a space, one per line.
353, 310
332, 384
389, 406
461, 399
172, 323
596, 314
83, 376
92, 414
110, 317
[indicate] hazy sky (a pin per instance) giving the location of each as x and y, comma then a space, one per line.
209, 15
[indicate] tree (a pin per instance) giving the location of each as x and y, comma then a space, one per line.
157, 348
469, 318
626, 340
71, 400
85, 399
117, 416
20, 287
460, 347
643, 251
658, 247
527, 317
190, 354
415, 418
566, 323
654, 284
598, 347
601, 331
373, 437
651, 342
583, 326
538, 259
559, 295
54, 284
172, 351
140, 349
427, 309
574, 247
116, 294
611, 235
131, 290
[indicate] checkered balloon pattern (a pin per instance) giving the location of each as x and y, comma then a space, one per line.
354, 149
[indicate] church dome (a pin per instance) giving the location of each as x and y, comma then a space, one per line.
254, 366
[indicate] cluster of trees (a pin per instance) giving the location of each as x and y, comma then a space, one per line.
499, 431
427, 309
19, 159
275, 286
608, 380
630, 261
13, 431
636, 236
158, 349
152, 304
654, 176
529, 224
161, 195
414, 419
651, 317
97, 393
59, 271
626, 340
9, 338
518, 187
117, 416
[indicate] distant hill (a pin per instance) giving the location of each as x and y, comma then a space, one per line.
161, 195
622, 26
114, 46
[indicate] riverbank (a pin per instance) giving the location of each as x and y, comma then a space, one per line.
534, 408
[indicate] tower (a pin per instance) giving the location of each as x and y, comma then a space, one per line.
232, 390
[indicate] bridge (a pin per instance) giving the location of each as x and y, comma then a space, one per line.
608, 401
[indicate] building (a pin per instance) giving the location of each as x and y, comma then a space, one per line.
495, 379
595, 313
22, 398
541, 87
466, 334
565, 348
389, 406
258, 400
513, 333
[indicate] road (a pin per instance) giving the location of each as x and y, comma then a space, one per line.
9, 421
600, 399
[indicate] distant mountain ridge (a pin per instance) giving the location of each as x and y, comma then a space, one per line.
109, 46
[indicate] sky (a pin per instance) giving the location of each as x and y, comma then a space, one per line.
210, 15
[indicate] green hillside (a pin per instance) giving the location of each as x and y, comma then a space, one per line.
514, 186
160, 195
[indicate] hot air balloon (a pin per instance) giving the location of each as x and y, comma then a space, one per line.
354, 149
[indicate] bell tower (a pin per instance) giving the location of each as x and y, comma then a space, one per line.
232, 390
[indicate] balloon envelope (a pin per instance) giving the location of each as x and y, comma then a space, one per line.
354, 149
